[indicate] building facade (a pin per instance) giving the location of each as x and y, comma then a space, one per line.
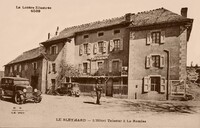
138, 55
96, 50
162, 60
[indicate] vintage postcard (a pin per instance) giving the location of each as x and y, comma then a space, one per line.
116, 63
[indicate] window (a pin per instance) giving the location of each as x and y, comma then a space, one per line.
85, 48
155, 37
116, 31
35, 65
155, 61
85, 67
11, 70
155, 84
115, 65
54, 67
100, 65
85, 36
53, 49
25, 67
100, 34
116, 44
15, 67
100, 45
20, 68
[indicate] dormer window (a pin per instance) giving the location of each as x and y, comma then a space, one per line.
100, 34
54, 49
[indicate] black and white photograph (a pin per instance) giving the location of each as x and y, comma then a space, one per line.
99, 64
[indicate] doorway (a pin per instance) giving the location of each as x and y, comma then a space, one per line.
34, 82
53, 83
109, 88
155, 84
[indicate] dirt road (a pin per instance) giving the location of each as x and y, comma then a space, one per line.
64, 111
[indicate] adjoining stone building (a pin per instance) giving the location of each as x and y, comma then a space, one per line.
30, 64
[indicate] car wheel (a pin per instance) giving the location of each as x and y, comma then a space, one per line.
19, 99
38, 99
77, 94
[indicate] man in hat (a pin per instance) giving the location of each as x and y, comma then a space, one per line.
98, 89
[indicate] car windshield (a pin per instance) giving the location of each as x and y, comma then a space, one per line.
22, 82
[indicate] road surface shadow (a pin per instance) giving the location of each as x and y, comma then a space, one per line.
159, 107
89, 102
7, 100
10, 100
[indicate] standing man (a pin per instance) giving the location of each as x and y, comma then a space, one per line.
98, 89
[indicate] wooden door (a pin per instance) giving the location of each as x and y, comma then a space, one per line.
109, 88
34, 82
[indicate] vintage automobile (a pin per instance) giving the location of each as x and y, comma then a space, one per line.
19, 90
68, 88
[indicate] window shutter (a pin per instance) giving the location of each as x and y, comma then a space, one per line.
89, 48
111, 45
88, 67
95, 48
80, 67
50, 50
56, 49
162, 40
121, 44
162, 85
81, 49
162, 61
49, 68
148, 61
110, 66
104, 46
149, 39
147, 82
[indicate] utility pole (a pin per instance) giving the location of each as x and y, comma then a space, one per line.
168, 72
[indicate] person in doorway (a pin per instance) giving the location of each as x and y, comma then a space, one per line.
98, 89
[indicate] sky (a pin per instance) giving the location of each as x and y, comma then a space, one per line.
22, 30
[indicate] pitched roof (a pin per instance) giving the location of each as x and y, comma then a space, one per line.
70, 31
156, 16
28, 55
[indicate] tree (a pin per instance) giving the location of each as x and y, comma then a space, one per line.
192, 75
66, 70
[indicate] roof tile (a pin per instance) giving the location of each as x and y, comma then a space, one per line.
156, 16
28, 55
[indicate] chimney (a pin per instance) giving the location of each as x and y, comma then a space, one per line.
48, 35
184, 12
128, 17
57, 31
